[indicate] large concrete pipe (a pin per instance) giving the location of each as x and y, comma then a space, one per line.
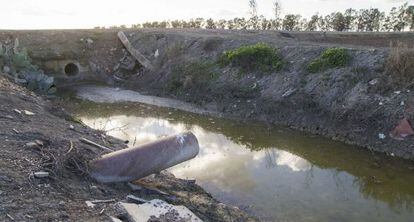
135, 163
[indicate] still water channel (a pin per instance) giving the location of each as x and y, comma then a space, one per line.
275, 174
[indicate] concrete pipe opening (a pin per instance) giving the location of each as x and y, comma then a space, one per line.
71, 69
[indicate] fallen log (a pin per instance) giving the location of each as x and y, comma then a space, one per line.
134, 52
135, 163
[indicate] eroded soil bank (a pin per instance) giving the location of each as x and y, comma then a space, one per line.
37, 135
355, 103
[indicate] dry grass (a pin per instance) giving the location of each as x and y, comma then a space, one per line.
400, 65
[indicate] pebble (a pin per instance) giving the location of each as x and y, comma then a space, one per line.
373, 82
89, 204
32, 144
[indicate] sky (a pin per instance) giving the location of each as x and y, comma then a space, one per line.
55, 14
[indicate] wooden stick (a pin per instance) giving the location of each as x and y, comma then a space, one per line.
86, 141
102, 201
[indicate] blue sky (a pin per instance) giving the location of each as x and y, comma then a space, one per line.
43, 14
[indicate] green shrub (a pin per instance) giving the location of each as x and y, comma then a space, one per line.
259, 57
22, 61
330, 58
316, 65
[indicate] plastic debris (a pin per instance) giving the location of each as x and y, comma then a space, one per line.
402, 130
41, 174
158, 210
381, 136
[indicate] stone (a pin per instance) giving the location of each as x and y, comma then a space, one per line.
6, 69
373, 82
288, 93
31, 144
114, 219
89, 204
28, 113
89, 41
156, 210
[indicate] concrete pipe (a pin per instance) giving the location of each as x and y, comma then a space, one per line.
135, 163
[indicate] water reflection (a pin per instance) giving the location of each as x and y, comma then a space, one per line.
277, 174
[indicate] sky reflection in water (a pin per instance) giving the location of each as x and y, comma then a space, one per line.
278, 174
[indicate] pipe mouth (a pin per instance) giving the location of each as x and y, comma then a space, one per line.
71, 69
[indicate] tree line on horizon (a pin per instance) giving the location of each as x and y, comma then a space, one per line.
398, 19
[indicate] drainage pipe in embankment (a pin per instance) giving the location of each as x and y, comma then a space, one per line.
135, 163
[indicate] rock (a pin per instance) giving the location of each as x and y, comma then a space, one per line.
373, 82
402, 130
156, 54
288, 93
28, 113
127, 63
156, 210
114, 219
6, 69
89, 41
32, 145
41, 174
71, 127
39, 142
89, 204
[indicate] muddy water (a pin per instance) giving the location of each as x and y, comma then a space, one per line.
276, 174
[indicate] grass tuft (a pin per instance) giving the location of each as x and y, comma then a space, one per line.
258, 57
330, 58
400, 65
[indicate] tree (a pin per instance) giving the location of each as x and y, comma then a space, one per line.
338, 21
349, 16
291, 22
210, 24
196, 23
410, 17
277, 9
221, 24
312, 25
254, 19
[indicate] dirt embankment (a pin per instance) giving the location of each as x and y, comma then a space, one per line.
354, 103
38, 136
